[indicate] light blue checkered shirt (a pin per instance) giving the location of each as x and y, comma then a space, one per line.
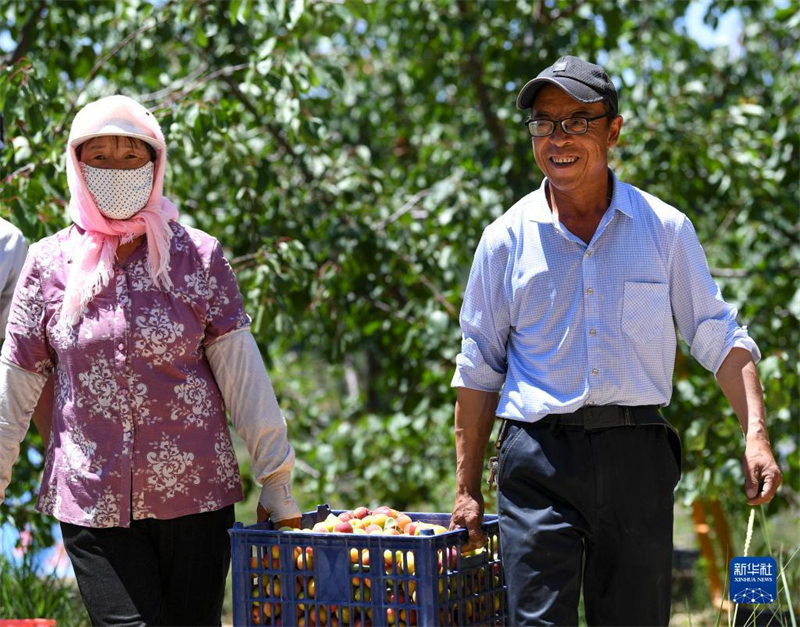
554, 324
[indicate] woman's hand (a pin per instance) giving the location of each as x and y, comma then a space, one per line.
262, 515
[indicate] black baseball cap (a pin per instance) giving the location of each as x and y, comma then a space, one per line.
584, 81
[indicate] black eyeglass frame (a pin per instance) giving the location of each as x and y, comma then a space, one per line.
560, 123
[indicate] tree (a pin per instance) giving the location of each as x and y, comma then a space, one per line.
349, 155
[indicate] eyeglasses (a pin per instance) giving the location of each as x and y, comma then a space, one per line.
570, 126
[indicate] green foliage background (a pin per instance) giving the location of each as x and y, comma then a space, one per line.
348, 156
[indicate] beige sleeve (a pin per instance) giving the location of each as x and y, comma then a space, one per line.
250, 400
19, 391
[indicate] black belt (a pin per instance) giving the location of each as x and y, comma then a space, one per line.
593, 417
590, 418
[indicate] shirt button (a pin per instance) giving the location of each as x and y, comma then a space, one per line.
595, 371
592, 332
589, 291
588, 253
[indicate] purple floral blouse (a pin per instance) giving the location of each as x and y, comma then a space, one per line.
139, 425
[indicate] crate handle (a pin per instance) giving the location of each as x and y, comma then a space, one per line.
323, 510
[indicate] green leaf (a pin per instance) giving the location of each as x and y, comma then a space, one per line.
296, 9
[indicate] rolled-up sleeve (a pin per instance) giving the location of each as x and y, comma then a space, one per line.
704, 319
484, 319
13, 249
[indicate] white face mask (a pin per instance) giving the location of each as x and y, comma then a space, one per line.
119, 194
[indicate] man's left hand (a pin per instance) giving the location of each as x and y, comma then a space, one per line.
761, 473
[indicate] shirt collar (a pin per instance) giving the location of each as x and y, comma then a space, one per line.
619, 200
539, 210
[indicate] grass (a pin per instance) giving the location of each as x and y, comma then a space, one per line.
780, 614
775, 537
24, 593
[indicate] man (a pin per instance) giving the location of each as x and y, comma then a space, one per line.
13, 250
568, 325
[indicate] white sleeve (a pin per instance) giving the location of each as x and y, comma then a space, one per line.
707, 323
250, 399
13, 249
19, 392
485, 317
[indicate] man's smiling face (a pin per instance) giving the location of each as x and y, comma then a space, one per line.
573, 163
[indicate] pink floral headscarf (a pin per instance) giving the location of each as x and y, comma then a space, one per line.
93, 258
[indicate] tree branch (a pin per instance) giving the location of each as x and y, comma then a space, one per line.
191, 82
150, 24
273, 130
23, 171
744, 273
545, 18
407, 206
474, 69
730, 273
26, 34
438, 296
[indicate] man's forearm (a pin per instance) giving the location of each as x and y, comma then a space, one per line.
474, 419
738, 379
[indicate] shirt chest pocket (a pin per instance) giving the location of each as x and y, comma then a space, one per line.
644, 309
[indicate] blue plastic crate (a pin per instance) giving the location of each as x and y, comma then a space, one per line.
338, 579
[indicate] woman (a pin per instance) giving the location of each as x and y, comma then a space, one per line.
142, 324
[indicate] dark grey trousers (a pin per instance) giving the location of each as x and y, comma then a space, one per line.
591, 510
155, 572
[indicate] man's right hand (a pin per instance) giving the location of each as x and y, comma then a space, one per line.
468, 513
474, 417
